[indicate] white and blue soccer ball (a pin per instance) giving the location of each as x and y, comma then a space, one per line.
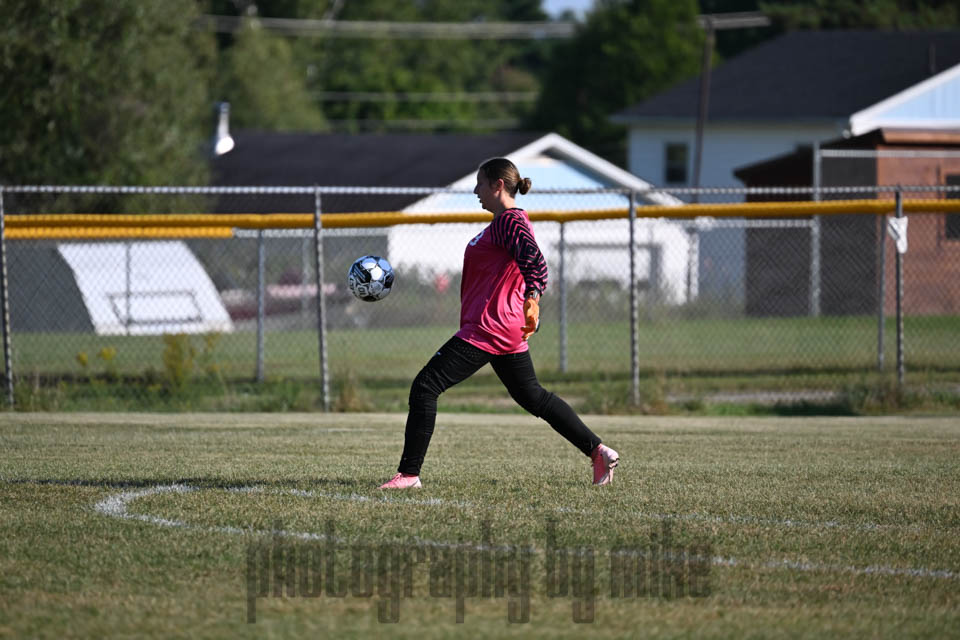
370, 278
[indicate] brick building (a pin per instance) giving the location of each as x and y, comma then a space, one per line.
778, 263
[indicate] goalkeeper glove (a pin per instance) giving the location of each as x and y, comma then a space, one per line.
531, 314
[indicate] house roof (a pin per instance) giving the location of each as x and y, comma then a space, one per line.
383, 160
809, 75
266, 158
395, 160
793, 169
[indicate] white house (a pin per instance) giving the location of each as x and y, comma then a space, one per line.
595, 250
801, 88
789, 93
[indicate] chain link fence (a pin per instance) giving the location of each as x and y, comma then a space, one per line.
715, 303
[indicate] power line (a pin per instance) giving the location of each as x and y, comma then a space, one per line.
733, 20
380, 29
384, 30
437, 96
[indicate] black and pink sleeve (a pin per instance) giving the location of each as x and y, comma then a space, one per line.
511, 231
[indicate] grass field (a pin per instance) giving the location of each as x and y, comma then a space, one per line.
145, 525
671, 345
371, 369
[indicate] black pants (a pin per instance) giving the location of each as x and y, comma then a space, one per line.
456, 361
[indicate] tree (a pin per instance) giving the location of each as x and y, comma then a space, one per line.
731, 42
104, 91
393, 67
625, 51
790, 15
337, 71
264, 85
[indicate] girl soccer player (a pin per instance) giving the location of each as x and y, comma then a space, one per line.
504, 275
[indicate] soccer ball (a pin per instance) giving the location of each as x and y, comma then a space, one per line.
370, 278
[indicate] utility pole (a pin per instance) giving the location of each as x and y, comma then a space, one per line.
709, 41
711, 23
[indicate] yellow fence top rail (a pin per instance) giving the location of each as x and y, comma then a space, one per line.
84, 225
111, 233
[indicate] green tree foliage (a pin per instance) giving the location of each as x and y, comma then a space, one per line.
791, 15
359, 84
392, 67
863, 14
264, 85
103, 91
731, 42
626, 51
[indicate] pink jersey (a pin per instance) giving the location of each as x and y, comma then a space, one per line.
500, 266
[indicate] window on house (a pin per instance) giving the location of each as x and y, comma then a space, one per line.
675, 163
952, 231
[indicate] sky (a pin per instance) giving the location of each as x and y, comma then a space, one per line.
556, 7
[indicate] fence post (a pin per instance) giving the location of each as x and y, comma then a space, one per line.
693, 259
563, 299
128, 266
634, 343
881, 291
304, 278
900, 365
815, 236
7, 354
261, 307
321, 303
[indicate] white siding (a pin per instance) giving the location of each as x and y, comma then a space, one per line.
725, 148
439, 248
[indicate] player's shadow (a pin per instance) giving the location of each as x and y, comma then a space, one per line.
199, 482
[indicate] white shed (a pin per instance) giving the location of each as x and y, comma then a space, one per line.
138, 288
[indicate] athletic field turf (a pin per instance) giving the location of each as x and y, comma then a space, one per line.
188, 525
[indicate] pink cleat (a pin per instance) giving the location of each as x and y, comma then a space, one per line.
402, 481
604, 460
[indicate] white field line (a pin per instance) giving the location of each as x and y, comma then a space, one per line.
116, 506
